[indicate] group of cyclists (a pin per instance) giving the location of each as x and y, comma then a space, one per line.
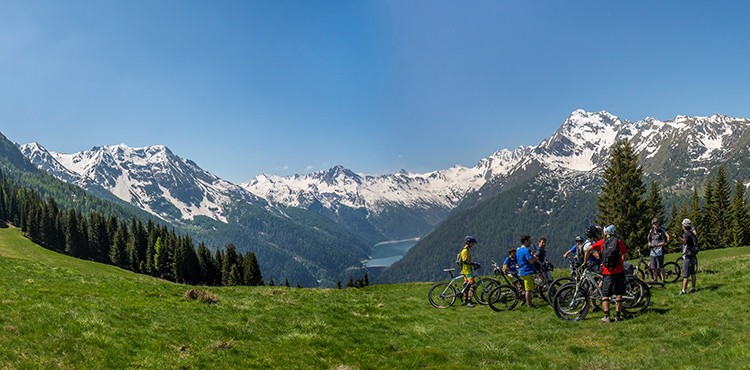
601, 250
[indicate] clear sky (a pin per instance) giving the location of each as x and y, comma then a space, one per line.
282, 87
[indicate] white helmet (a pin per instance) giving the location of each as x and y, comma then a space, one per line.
610, 230
686, 223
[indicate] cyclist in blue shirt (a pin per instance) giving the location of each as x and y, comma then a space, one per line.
575, 254
526, 267
510, 265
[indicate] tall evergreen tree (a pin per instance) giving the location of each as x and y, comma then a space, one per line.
161, 258
73, 237
740, 231
206, 265
251, 269
118, 252
654, 205
231, 259
621, 199
722, 211
707, 236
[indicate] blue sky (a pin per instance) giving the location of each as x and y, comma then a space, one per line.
284, 87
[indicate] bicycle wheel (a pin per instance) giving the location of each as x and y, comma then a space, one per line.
484, 288
637, 297
555, 285
571, 303
503, 298
442, 295
672, 272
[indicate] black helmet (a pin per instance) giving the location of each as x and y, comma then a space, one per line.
591, 232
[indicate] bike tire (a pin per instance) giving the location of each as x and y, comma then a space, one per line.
442, 295
672, 272
483, 290
555, 285
503, 298
571, 303
637, 297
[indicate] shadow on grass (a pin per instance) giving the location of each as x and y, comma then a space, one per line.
710, 288
658, 311
708, 272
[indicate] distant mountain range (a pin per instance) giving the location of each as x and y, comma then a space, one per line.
546, 179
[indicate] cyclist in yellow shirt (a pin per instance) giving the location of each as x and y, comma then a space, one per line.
467, 268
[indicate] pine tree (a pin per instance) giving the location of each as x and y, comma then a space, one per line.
286, 282
206, 265
654, 205
73, 239
740, 231
722, 217
706, 227
621, 200
231, 259
271, 282
253, 276
117, 253
338, 284
161, 258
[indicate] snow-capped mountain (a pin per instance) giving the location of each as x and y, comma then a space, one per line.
552, 190
151, 178
340, 186
555, 180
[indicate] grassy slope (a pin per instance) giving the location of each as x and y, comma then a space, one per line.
59, 312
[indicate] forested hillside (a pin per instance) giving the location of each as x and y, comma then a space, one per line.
291, 244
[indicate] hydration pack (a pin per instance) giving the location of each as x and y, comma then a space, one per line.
611, 253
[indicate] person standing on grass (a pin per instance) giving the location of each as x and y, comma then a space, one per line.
657, 242
543, 265
575, 254
467, 266
526, 268
613, 253
689, 258
510, 265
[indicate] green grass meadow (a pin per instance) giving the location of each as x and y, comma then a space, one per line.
57, 312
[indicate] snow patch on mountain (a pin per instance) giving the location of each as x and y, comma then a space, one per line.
151, 178
339, 186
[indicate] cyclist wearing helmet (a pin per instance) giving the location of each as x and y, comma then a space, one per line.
510, 265
466, 268
657, 242
575, 253
593, 234
689, 259
614, 274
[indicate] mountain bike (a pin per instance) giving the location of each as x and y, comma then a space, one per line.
671, 270
444, 294
506, 297
573, 300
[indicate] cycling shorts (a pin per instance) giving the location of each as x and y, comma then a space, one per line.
657, 262
528, 282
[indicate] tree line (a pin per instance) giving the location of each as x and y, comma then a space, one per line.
722, 219
148, 248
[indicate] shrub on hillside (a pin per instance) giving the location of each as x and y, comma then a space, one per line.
203, 295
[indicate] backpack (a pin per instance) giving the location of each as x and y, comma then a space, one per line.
661, 231
690, 252
611, 253
459, 262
